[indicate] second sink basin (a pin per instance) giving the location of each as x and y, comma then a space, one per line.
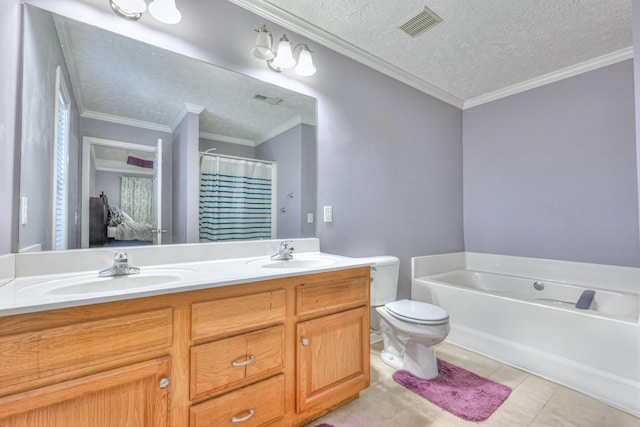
298, 261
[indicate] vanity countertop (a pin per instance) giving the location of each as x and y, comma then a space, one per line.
31, 293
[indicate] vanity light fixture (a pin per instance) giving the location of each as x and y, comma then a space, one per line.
283, 57
164, 11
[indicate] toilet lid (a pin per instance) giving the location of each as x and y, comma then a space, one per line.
417, 312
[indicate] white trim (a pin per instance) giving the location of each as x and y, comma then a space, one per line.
278, 130
65, 42
186, 108
229, 139
343, 47
574, 70
306, 29
85, 188
60, 90
125, 121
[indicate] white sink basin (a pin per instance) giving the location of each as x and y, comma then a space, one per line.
90, 283
298, 261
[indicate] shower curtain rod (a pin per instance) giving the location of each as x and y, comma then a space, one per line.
204, 153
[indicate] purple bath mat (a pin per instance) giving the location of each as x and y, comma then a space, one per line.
458, 391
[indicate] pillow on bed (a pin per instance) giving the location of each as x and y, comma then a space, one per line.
115, 216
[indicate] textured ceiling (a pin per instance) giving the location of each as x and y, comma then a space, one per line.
481, 47
118, 79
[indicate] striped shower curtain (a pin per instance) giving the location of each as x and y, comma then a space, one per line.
236, 199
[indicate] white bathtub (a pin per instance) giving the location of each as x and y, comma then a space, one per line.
495, 310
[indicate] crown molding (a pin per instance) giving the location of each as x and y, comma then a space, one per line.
186, 109
306, 29
126, 121
229, 139
574, 70
278, 130
65, 42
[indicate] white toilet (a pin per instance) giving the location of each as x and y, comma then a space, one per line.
409, 329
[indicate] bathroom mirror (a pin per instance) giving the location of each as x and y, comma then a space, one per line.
81, 82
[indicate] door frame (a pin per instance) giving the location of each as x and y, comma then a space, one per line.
87, 143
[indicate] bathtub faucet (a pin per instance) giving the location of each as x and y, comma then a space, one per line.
120, 266
285, 252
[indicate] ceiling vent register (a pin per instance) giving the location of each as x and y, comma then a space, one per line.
420, 21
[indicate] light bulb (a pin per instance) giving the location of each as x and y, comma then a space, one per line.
305, 63
284, 57
165, 11
262, 49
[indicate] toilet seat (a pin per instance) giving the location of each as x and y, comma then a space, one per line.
417, 312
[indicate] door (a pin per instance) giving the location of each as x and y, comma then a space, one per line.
333, 358
131, 396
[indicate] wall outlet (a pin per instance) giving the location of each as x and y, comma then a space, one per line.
310, 218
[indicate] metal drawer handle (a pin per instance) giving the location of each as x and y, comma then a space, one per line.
305, 341
239, 420
245, 363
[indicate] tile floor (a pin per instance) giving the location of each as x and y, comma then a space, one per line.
533, 401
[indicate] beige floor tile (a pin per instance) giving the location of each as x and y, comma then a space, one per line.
450, 420
533, 400
479, 365
616, 418
570, 408
511, 377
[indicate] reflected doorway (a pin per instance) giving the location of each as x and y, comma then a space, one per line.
121, 193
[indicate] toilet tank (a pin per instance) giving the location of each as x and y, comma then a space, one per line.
384, 279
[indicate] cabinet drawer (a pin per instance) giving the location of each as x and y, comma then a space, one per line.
258, 403
318, 298
238, 314
35, 356
232, 361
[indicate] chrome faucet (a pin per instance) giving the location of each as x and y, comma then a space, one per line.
285, 252
120, 266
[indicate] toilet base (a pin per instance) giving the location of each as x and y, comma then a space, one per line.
418, 359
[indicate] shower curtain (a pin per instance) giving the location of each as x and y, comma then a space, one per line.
236, 199
136, 198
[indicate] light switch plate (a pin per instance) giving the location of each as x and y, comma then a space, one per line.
328, 214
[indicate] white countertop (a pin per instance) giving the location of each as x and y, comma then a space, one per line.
39, 292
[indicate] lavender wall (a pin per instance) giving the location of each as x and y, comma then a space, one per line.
227, 148
186, 188
551, 172
10, 88
286, 150
43, 57
636, 62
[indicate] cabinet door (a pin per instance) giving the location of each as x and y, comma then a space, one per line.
130, 396
333, 358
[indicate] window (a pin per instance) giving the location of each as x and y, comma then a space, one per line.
60, 166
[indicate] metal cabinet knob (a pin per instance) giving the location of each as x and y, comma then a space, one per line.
164, 383
305, 341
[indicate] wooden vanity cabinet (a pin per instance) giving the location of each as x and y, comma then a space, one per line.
230, 355
333, 345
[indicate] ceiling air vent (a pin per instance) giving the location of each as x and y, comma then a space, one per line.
420, 21
268, 100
